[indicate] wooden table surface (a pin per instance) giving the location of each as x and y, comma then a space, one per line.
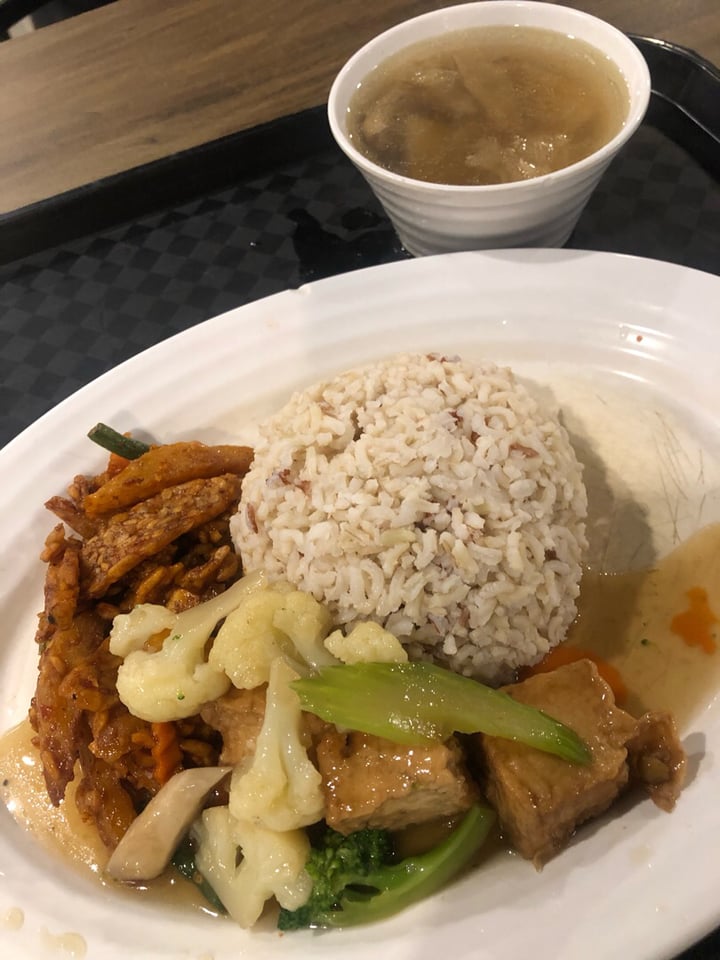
134, 81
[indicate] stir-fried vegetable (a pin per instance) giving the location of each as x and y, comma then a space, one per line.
117, 443
147, 846
184, 862
415, 702
246, 864
355, 882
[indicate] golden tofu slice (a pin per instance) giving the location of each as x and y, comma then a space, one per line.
372, 782
238, 715
541, 799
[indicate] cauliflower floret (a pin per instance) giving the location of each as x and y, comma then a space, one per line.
272, 864
273, 622
173, 681
278, 788
366, 643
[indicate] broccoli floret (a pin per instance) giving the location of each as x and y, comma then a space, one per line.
184, 862
337, 862
356, 882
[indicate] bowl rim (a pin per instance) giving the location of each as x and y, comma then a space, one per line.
640, 97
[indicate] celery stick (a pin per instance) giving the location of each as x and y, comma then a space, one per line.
412, 703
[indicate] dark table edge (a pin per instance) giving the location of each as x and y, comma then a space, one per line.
685, 105
153, 187
685, 102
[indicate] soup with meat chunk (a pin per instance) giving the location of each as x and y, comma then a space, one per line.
488, 105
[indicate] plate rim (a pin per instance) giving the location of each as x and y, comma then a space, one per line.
308, 294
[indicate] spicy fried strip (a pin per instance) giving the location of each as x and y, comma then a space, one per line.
60, 725
165, 466
172, 547
101, 799
62, 584
148, 527
70, 509
73, 515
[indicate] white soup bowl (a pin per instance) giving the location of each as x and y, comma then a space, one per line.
439, 218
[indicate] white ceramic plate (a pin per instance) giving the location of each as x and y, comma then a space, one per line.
629, 348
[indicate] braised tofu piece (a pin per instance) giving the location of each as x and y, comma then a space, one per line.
238, 716
372, 782
657, 759
541, 799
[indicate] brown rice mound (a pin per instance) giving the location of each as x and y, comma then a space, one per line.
431, 495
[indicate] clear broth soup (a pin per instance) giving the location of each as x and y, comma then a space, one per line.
488, 105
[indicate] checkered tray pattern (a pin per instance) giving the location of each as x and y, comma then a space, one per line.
71, 313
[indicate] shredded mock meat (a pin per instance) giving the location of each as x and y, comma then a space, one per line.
169, 546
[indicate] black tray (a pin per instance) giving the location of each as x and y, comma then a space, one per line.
98, 274
92, 277
685, 106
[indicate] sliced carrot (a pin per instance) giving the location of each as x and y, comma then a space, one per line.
695, 624
116, 464
165, 751
563, 654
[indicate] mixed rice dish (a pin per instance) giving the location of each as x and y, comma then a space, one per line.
259, 666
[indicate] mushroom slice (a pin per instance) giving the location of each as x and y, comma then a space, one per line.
152, 838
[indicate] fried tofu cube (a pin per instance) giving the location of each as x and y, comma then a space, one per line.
371, 782
657, 759
238, 715
540, 798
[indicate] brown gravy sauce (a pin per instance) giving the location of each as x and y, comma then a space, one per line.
624, 618
61, 830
